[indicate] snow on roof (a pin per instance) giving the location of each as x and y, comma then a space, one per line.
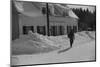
28, 8
72, 14
19, 6
31, 9
68, 10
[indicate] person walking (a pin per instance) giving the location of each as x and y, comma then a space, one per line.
71, 37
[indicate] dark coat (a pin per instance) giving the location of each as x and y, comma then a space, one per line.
71, 34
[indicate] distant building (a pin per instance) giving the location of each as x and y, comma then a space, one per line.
32, 16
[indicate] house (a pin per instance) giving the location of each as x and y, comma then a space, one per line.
32, 16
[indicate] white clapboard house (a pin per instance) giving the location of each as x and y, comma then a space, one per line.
32, 16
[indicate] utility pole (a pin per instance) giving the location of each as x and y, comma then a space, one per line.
47, 19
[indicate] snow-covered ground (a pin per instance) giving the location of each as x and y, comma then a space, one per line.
38, 49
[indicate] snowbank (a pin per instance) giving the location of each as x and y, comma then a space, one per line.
46, 48
39, 42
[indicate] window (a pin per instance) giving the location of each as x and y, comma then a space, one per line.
26, 29
65, 13
53, 30
56, 30
61, 30
44, 10
75, 28
68, 29
41, 30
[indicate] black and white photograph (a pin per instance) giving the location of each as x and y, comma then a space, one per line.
52, 33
